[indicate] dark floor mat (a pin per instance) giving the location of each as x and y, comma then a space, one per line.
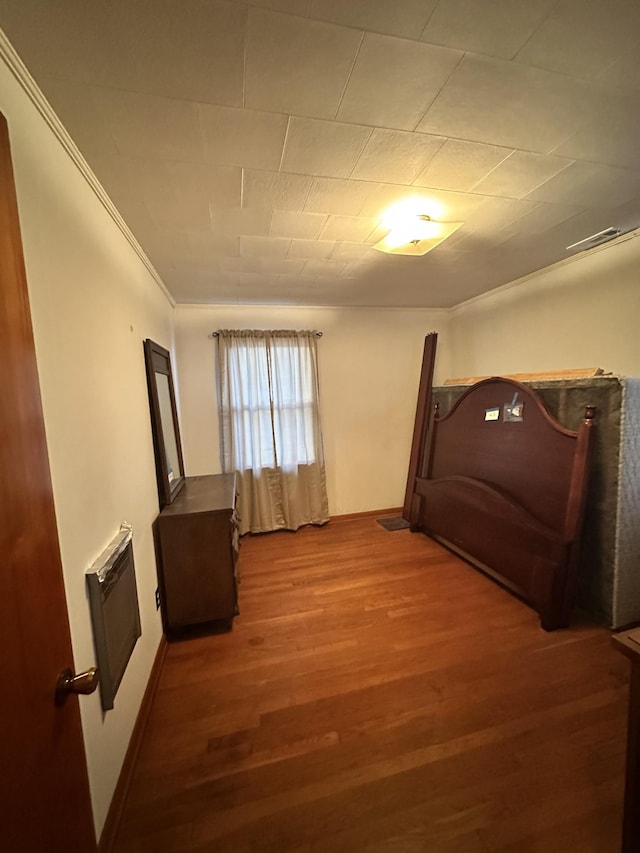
394, 523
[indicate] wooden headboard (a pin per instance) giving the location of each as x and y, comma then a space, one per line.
503, 484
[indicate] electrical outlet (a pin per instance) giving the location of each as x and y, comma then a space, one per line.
157, 598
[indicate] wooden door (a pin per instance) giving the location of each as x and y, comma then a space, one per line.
44, 789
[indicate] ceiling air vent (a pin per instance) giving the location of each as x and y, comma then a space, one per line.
596, 239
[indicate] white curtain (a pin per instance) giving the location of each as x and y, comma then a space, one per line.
270, 427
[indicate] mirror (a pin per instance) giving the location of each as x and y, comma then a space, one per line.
164, 422
166, 418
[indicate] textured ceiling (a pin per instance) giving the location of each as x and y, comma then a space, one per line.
252, 147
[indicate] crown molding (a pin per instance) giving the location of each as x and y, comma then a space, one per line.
21, 73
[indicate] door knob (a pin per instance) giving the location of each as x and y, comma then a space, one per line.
84, 682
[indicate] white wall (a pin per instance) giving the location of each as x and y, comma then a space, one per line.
369, 365
93, 302
582, 313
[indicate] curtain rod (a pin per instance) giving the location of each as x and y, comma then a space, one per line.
215, 334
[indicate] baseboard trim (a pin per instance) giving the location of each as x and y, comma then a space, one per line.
116, 809
372, 513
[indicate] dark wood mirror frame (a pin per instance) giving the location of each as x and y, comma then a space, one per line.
166, 432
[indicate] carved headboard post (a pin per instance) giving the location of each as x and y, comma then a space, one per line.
575, 506
577, 493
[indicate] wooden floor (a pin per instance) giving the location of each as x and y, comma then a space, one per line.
378, 694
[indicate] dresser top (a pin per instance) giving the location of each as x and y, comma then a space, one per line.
209, 493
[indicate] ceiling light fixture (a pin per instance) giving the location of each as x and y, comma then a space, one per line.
411, 231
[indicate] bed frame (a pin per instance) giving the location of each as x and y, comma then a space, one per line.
503, 484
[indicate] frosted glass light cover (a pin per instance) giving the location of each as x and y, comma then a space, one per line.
416, 237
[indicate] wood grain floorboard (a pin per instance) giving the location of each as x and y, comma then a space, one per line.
378, 694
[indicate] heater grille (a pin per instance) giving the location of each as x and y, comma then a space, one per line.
113, 598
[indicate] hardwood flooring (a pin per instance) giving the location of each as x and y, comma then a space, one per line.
378, 694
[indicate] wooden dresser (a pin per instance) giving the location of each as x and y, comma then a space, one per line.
198, 543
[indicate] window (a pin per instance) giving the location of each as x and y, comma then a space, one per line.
270, 426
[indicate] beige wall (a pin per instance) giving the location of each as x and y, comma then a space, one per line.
369, 364
93, 301
583, 313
